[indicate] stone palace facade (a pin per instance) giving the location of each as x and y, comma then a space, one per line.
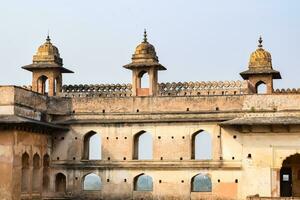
172, 141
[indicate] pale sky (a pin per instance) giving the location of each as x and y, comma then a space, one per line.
195, 40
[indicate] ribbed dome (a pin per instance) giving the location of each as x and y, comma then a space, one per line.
47, 53
145, 52
144, 56
260, 58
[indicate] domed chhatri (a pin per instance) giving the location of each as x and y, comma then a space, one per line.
145, 56
47, 53
260, 69
260, 58
47, 67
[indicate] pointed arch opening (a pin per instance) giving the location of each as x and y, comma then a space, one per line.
43, 84
25, 173
36, 179
261, 87
289, 179
143, 146
46, 171
201, 147
92, 148
142, 83
201, 183
143, 182
92, 182
143, 79
60, 183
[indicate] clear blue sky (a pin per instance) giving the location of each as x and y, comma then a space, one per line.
195, 40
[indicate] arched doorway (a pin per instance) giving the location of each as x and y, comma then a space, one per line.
60, 183
290, 176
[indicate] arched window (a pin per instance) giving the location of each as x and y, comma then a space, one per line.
60, 182
201, 145
25, 173
143, 147
143, 182
261, 87
46, 179
92, 146
92, 182
201, 183
36, 180
43, 85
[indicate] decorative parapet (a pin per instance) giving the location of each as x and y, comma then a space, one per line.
288, 90
203, 88
101, 90
165, 89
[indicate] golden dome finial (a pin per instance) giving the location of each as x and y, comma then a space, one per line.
145, 35
260, 41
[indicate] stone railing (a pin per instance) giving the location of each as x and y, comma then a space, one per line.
288, 90
164, 89
203, 88
101, 90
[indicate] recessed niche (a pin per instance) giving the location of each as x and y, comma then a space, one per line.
221, 158
249, 156
234, 137
62, 138
107, 180
57, 158
117, 138
236, 180
125, 138
159, 181
182, 181
108, 158
161, 158
172, 137
76, 138
76, 178
103, 111
74, 158
183, 137
125, 180
107, 138
158, 137
187, 109
232, 158
137, 110
219, 136
124, 158
181, 158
